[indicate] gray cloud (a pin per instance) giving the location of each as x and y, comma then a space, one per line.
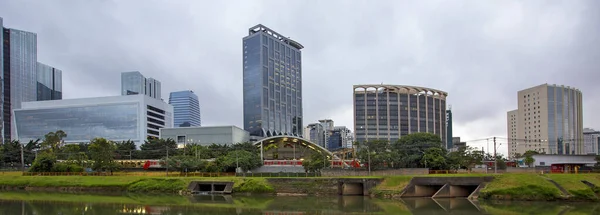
480, 52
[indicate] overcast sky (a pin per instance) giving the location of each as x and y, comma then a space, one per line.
480, 52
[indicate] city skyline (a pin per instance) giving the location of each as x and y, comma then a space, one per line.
481, 62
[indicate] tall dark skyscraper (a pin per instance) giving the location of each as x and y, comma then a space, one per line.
272, 83
49, 83
19, 81
186, 109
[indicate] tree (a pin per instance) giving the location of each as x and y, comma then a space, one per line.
376, 153
74, 154
12, 153
198, 151
30, 150
183, 163
528, 157
125, 149
43, 163
53, 141
101, 151
155, 148
410, 149
316, 163
433, 158
244, 159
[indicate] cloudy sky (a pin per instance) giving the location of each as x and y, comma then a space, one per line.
480, 52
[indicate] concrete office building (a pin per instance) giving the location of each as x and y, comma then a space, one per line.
548, 119
117, 118
316, 134
49, 83
272, 84
186, 108
19, 81
133, 83
387, 112
222, 135
328, 126
591, 141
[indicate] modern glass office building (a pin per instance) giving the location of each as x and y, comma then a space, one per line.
186, 109
133, 83
49, 83
272, 83
19, 81
117, 118
387, 112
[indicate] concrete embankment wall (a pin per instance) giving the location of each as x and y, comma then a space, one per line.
390, 172
323, 186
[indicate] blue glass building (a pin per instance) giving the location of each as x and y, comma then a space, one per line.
186, 109
19, 81
272, 83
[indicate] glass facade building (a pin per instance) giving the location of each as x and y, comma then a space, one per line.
340, 137
272, 84
19, 80
134, 83
186, 108
387, 112
116, 118
49, 83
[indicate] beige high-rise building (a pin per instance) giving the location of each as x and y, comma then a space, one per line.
548, 120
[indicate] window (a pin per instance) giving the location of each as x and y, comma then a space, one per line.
180, 139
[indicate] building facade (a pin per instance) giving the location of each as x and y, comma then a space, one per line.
387, 112
339, 137
49, 83
134, 83
316, 134
449, 142
548, 119
222, 135
511, 128
19, 80
117, 118
272, 84
591, 139
186, 108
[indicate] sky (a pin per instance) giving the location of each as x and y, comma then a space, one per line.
480, 52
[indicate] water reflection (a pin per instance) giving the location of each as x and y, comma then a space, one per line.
71, 204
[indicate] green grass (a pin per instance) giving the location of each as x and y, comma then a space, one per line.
573, 184
520, 187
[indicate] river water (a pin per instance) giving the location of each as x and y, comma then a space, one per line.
38, 203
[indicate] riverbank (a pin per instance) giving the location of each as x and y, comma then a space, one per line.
529, 187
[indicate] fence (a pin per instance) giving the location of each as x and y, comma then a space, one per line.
279, 174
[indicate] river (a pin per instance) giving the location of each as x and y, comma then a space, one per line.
39, 203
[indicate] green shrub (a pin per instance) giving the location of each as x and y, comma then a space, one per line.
253, 185
43, 163
66, 167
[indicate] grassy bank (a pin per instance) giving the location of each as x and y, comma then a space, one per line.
135, 184
520, 187
575, 186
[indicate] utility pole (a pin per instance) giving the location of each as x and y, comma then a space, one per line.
483, 160
495, 158
167, 161
369, 156
22, 159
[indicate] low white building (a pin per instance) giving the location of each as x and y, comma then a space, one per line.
116, 118
206, 135
549, 160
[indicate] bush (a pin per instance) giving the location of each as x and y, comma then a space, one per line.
67, 167
43, 163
